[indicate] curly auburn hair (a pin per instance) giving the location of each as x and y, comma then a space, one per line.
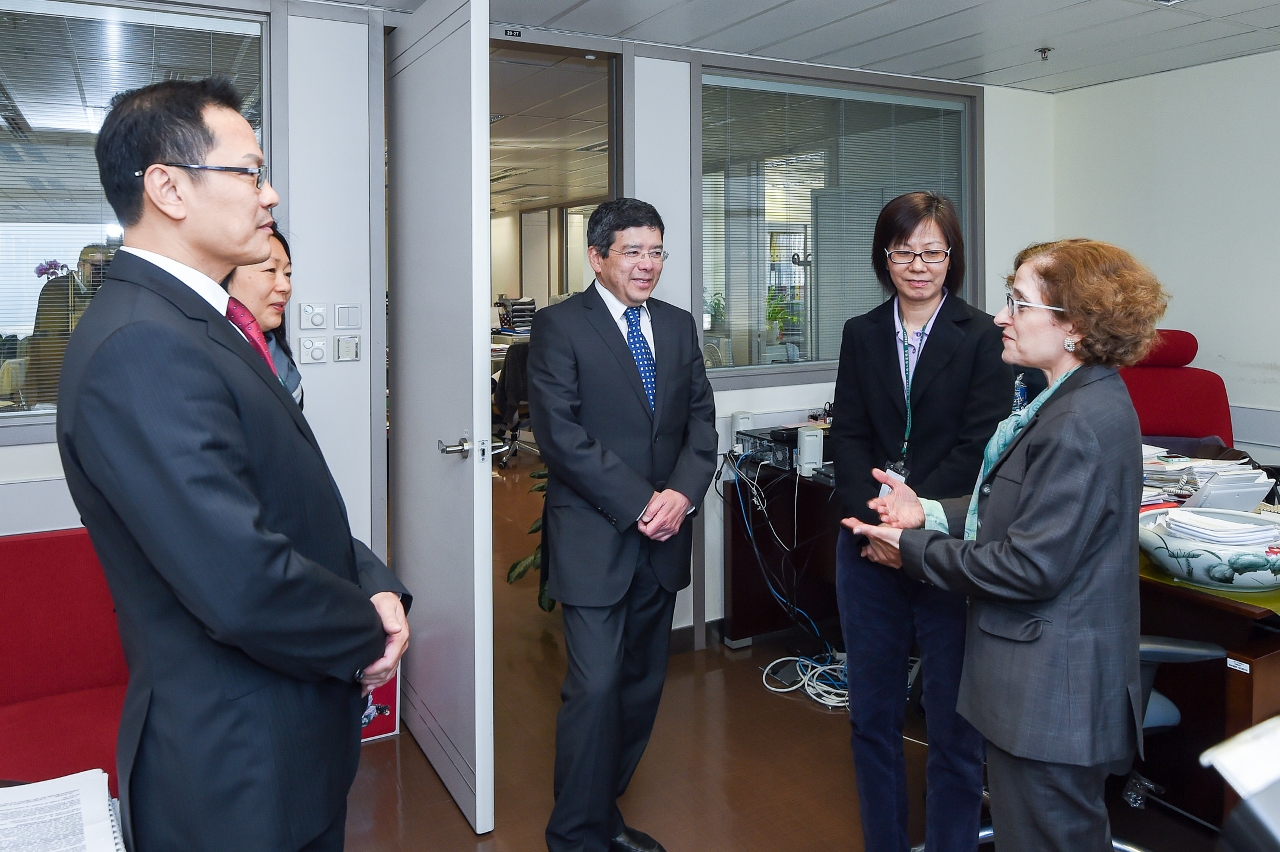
1112, 300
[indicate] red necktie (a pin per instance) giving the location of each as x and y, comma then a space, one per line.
243, 319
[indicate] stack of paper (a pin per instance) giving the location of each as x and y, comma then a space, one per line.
1149, 452
1210, 530
1188, 474
1153, 496
69, 814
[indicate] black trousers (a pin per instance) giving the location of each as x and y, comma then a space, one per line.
617, 665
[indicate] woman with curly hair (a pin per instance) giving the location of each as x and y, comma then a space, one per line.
1047, 549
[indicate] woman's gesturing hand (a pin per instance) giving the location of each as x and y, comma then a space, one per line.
899, 508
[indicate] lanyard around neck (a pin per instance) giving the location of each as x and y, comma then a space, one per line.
906, 374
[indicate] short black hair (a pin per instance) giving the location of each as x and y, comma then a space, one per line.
160, 123
618, 215
899, 220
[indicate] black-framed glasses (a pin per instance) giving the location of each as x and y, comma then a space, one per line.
1013, 305
259, 173
634, 255
903, 256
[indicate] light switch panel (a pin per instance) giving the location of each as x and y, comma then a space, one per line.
346, 347
346, 316
312, 350
312, 315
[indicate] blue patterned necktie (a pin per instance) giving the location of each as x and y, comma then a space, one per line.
640, 351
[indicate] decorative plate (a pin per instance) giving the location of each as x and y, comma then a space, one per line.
1212, 566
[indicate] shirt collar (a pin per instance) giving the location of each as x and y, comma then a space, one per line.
205, 287
926, 328
615, 306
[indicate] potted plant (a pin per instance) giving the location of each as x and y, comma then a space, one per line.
534, 560
775, 314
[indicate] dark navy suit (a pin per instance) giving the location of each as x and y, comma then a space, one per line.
607, 452
243, 599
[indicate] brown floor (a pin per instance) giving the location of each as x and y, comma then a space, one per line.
731, 766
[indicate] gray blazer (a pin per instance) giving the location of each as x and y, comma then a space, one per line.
607, 452
1051, 654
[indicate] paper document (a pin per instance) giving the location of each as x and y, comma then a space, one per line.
68, 814
1249, 761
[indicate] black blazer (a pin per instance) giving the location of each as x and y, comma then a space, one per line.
960, 391
606, 452
243, 599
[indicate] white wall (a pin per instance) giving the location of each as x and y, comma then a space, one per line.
33, 491
328, 226
662, 167
535, 257
504, 248
1179, 168
1018, 141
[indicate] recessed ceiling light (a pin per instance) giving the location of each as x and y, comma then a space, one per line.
590, 56
493, 116
1167, 2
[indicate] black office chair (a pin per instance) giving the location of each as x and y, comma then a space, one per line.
511, 405
1160, 715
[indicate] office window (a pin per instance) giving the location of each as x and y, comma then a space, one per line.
60, 65
793, 178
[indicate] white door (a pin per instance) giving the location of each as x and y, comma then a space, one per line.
440, 514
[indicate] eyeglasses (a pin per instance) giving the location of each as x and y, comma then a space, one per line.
634, 255
259, 172
1013, 305
903, 257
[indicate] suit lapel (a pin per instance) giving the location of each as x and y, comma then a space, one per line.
884, 354
1082, 376
133, 269
607, 327
666, 345
939, 346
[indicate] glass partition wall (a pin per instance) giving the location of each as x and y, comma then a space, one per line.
793, 178
60, 65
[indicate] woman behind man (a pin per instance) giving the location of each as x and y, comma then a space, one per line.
264, 289
921, 386
1046, 548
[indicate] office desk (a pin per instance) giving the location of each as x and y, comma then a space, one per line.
806, 516
1216, 700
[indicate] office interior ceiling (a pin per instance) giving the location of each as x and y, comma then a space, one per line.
548, 130
58, 74
991, 42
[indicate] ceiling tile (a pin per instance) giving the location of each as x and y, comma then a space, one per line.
862, 26
611, 17
1265, 17
689, 21
533, 13
1016, 37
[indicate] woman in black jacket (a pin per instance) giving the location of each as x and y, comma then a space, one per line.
920, 390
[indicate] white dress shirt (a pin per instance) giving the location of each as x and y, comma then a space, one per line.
205, 287
618, 311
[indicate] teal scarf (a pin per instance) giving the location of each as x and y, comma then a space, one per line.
1006, 432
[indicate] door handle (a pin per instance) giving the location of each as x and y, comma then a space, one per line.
462, 448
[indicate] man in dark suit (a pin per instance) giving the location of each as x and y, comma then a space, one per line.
625, 420
252, 620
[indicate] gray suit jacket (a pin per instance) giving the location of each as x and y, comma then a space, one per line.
1051, 654
607, 452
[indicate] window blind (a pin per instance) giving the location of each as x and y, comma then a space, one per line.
794, 178
60, 66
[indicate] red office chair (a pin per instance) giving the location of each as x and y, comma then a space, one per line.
1178, 406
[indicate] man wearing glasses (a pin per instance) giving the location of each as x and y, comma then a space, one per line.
624, 418
252, 621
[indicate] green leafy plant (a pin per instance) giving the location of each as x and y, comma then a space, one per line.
533, 562
775, 309
716, 307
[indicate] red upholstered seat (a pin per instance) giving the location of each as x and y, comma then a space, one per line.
1176, 400
60, 734
62, 670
